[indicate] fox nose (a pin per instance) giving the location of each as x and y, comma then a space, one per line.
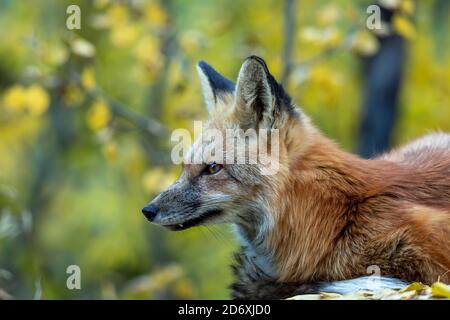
150, 211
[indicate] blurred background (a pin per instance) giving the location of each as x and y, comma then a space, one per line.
86, 116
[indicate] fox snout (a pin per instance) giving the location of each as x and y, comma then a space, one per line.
150, 211
172, 208
181, 206
180, 220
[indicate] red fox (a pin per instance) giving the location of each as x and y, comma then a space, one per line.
326, 215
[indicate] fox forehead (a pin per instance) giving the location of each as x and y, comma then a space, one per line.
218, 121
200, 151
229, 145
221, 133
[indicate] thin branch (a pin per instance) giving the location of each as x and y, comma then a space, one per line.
145, 123
150, 125
288, 34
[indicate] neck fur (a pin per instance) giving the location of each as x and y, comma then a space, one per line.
313, 206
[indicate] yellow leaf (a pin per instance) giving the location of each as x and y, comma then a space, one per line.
149, 55
191, 40
403, 26
415, 286
117, 13
55, 55
72, 95
439, 289
324, 76
311, 34
99, 115
328, 37
88, 78
332, 37
83, 48
184, 289
147, 50
407, 7
319, 74
36, 99
328, 15
14, 98
123, 35
329, 296
110, 151
156, 15
365, 43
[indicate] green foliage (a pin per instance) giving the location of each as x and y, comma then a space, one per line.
76, 166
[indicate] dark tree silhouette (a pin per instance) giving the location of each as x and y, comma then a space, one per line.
382, 75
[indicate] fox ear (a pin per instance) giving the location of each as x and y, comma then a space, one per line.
259, 97
214, 86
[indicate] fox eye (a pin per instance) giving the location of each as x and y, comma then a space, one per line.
213, 168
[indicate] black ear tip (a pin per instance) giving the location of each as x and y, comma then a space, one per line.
204, 66
215, 79
257, 59
254, 57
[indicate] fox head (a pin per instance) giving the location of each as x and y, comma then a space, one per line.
217, 190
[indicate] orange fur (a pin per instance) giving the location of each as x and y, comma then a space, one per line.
325, 215
336, 214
